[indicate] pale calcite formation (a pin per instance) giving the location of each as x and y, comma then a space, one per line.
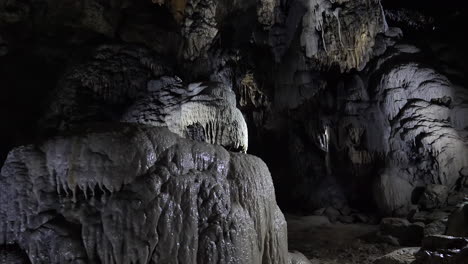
204, 112
136, 194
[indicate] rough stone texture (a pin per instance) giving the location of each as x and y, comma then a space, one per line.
434, 196
121, 77
392, 192
204, 112
435, 228
443, 250
444, 242
135, 194
298, 258
113, 77
401, 256
381, 134
412, 122
333, 33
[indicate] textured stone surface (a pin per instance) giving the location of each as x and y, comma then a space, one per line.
340, 34
434, 196
127, 194
128, 83
443, 250
405, 233
203, 112
298, 258
401, 256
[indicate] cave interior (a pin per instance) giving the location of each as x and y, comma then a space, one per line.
218, 131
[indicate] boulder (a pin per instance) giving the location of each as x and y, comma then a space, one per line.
204, 112
435, 228
332, 214
443, 250
298, 258
401, 256
434, 196
393, 193
404, 232
120, 194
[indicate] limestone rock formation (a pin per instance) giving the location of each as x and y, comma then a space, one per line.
359, 108
203, 112
136, 194
121, 77
338, 33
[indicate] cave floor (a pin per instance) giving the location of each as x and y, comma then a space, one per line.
326, 243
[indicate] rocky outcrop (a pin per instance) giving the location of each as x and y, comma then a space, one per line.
382, 134
138, 194
401, 256
332, 33
424, 143
203, 112
443, 249
131, 84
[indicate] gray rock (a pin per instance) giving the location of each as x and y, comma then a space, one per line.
361, 218
93, 91
327, 31
401, 256
202, 111
455, 198
444, 242
435, 228
458, 256
298, 258
406, 233
429, 217
332, 214
144, 191
434, 196
443, 250
393, 193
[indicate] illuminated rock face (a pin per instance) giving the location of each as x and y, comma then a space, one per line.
333, 33
203, 112
136, 194
129, 84
395, 128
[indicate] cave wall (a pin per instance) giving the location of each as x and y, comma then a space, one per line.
353, 105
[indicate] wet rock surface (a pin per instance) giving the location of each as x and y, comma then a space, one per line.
443, 249
142, 190
358, 107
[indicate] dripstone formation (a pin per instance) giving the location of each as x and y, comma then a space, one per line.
128, 123
137, 194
